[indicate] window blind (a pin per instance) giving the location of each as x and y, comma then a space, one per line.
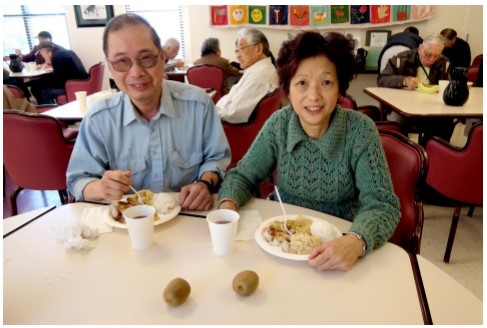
167, 20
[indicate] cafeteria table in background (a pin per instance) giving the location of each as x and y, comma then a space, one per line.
44, 283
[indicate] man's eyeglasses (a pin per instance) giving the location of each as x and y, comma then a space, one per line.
124, 64
429, 55
242, 48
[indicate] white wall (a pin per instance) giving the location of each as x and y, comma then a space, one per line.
87, 42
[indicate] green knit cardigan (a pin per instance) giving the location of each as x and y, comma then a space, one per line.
344, 173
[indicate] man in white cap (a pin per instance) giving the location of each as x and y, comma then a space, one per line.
43, 36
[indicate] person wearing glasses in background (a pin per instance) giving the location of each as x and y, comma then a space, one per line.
155, 134
426, 65
258, 80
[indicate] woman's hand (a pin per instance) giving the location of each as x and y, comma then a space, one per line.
340, 253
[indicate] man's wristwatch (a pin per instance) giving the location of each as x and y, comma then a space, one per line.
209, 185
359, 237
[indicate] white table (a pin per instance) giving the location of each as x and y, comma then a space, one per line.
450, 303
11, 225
71, 111
29, 74
114, 284
412, 103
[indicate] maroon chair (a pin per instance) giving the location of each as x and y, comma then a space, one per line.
457, 174
408, 165
35, 153
390, 126
241, 136
16, 91
92, 84
207, 76
348, 102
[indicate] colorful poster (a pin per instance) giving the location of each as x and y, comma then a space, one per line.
299, 15
339, 14
238, 15
219, 15
258, 14
401, 13
278, 15
422, 12
359, 14
319, 16
380, 14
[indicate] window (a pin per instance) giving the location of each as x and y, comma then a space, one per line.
21, 24
167, 21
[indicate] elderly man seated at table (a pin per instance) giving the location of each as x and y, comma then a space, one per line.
211, 55
259, 78
171, 50
425, 65
154, 134
66, 65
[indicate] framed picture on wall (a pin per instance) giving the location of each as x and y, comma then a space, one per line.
93, 15
377, 38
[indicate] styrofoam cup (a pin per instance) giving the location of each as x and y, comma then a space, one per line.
140, 223
223, 224
442, 86
81, 98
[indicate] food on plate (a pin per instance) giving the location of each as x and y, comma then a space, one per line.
428, 88
164, 203
245, 282
176, 292
304, 234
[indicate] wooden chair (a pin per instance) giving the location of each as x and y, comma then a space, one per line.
93, 84
35, 153
408, 165
457, 174
207, 76
241, 136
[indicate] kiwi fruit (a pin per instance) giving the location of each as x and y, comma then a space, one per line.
245, 282
176, 292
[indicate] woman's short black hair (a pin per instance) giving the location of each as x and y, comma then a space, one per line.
335, 46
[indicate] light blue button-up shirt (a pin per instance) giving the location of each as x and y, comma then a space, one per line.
180, 143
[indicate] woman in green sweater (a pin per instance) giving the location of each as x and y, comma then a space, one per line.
327, 158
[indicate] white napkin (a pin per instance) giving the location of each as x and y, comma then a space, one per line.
248, 223
79, 234
93, 218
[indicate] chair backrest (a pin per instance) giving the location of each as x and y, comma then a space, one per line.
390, 126
348, 102
408, 165
16, 91
472, 73
207, 76
241, 136
93, 84
477, 60
35, 152
457, 173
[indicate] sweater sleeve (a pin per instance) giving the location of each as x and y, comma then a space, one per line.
258, 163
379, 210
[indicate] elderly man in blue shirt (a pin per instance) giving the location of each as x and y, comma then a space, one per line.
155, 134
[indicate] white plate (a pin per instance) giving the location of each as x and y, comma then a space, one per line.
161, 218
276, 250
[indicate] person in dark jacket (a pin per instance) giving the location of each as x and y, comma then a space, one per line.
409, 38
66, 66
34, 55
456, 50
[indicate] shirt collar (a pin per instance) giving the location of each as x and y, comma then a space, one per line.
166, 108
329, 140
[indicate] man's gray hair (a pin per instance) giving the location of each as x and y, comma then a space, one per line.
172, 43
255, 36
435, 38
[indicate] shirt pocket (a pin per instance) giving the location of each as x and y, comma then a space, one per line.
184, 169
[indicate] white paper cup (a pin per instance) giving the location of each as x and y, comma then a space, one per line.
223, 224
442, 86
469, 84
140, 223
31, 67
81, 98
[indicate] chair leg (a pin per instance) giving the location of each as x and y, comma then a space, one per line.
13, 199
470, 211
453, 230
63, 195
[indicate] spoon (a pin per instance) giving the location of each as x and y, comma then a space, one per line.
137, 193
283, 210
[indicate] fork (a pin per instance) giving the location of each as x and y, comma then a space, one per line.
138, 195
283, 210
